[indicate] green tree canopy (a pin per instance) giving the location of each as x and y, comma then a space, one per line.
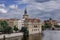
23, 29
3, 24
15, 28
46, 25
4, 27
57, 26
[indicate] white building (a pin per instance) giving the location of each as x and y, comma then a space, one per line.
20, 24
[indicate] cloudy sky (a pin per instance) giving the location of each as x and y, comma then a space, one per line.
42, 9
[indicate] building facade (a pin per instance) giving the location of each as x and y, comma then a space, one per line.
19, 23
32, 24
10, 21
51, 22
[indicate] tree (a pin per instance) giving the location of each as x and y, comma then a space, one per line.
57, 26
43, 27
4, 27
3, 24
46, 25
25, 31
15, 28
8, 30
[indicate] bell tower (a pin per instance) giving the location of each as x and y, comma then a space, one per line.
25, 16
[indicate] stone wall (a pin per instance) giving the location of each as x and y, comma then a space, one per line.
14, 36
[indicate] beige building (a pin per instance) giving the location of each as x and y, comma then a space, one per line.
10, 21
58, 23
51, 22
32, 24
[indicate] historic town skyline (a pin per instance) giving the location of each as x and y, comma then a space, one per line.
43, 9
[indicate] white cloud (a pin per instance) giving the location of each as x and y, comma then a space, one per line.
2, 10
13, 6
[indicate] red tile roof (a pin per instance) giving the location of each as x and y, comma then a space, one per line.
33, 19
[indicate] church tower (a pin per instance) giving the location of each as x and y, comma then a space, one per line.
25, 16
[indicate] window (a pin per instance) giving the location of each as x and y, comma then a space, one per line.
35, 26
38, 29
35, 29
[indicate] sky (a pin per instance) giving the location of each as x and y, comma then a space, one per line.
42, 9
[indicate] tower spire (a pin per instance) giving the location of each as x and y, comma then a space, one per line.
50, 18
25, 16
25, 11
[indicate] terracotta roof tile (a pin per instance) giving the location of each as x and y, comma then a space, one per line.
33, 19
